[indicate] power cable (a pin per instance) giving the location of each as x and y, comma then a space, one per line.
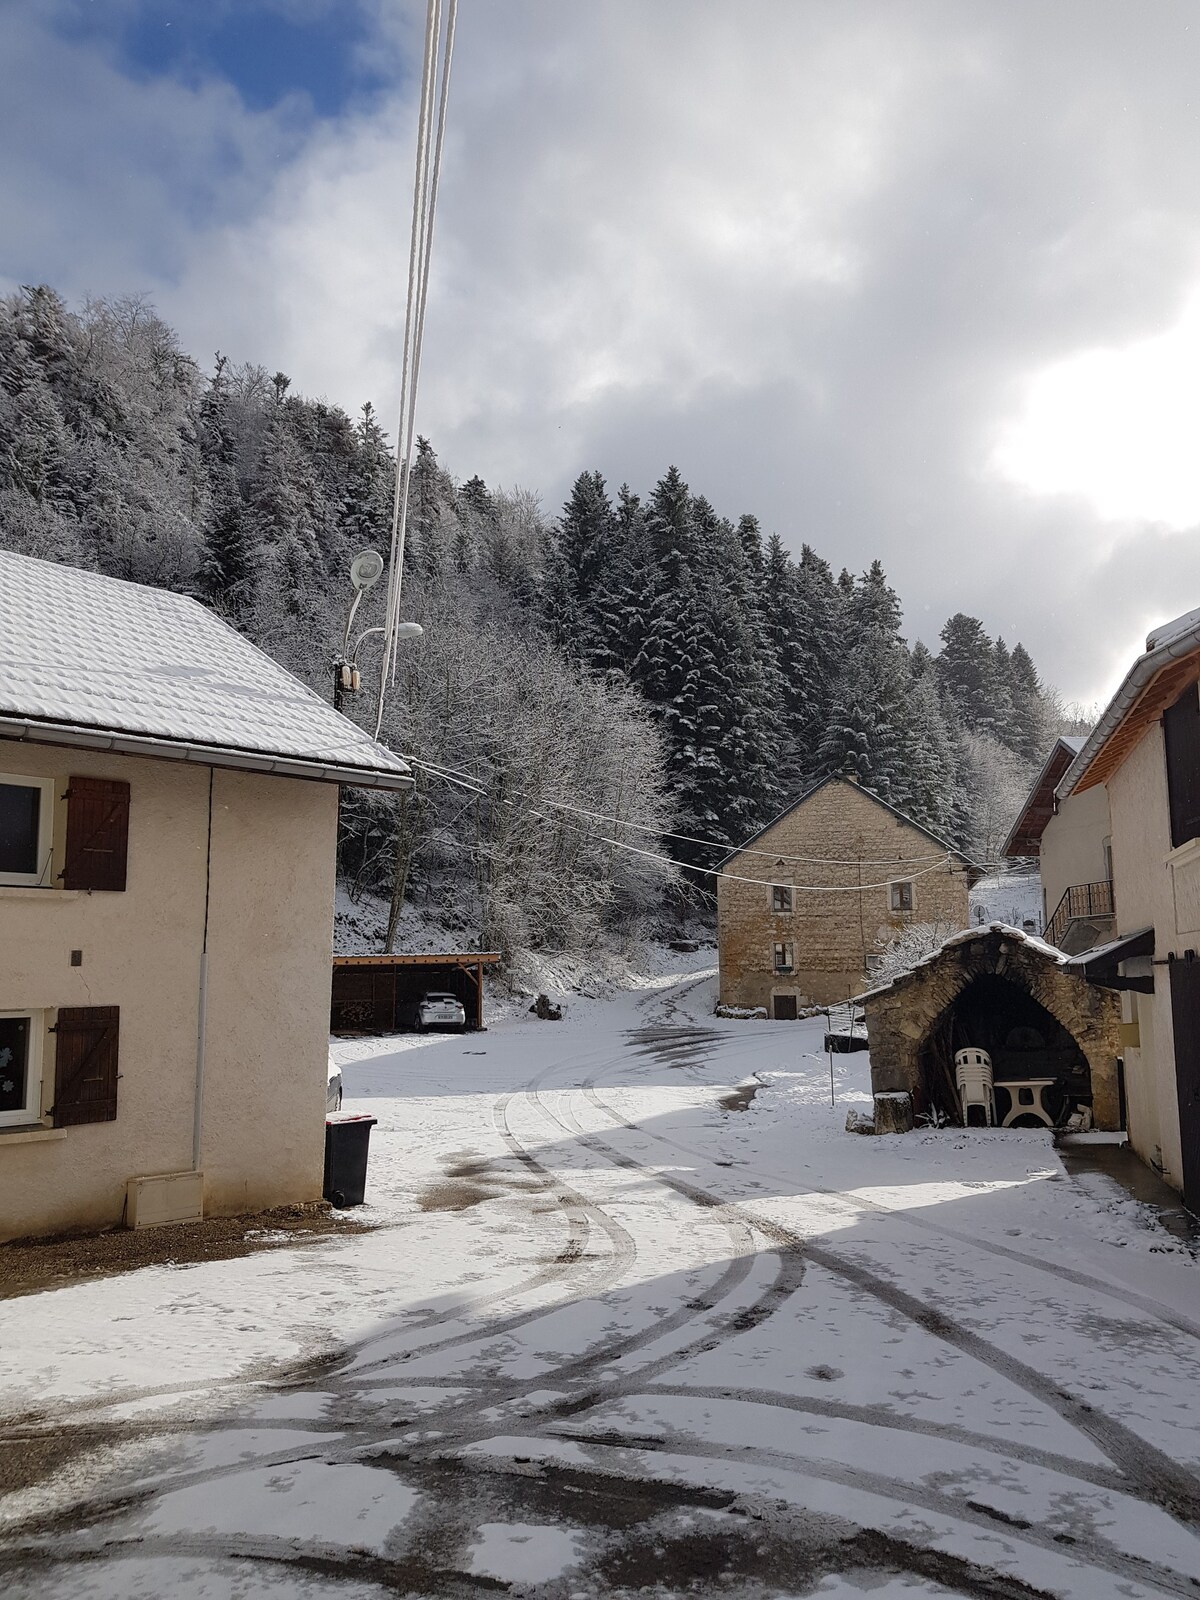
425, 192
709, 844
712, 872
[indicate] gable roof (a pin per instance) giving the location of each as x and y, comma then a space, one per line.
836, 777
102, 664
966, 936
1025, 835
1170, 661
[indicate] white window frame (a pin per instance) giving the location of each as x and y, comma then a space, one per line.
45, 839
893, 887
788, 949
31, 1111
782, 890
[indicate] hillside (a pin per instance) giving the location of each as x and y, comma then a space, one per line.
641, 673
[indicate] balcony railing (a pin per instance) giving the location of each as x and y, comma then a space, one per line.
1081, 902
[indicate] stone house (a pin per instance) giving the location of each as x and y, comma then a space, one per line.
806, 904
1052, 1037
168, 822
1145, 753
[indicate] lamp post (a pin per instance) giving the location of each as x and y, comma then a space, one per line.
365, 571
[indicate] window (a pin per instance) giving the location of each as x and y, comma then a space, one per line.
783, 958
901, 896
1181, 735
781, 899
26, 833
20, 1067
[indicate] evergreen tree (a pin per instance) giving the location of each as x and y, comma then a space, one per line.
966, 672
1029, 731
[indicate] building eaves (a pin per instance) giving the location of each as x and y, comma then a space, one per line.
1170, 644
132, 744
1062, 753
836, 777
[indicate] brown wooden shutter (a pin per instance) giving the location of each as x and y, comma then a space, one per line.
97, 833
1185, 1019
85, 1065
1181, 735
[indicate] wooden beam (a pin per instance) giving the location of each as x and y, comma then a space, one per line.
1162, 691
469, 958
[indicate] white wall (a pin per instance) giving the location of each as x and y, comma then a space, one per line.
270, 935
1072, 849
1145, 898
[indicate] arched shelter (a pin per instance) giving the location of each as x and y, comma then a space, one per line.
1006, 992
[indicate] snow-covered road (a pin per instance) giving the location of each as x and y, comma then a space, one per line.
637, 1314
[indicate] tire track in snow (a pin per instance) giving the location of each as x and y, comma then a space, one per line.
1096, 1552
1150, 1472
1122, 1295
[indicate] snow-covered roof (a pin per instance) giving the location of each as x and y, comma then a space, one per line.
1136, 702
966, 936
96, 662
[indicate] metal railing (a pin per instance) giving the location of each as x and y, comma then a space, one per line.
1081, 900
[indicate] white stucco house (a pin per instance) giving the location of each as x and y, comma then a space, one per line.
168, 821
1071, 837
1145, 754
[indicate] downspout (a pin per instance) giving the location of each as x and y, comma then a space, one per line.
202, 999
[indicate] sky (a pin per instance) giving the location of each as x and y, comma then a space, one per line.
908, 279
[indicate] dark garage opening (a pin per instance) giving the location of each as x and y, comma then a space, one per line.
1023, 1039
374, 994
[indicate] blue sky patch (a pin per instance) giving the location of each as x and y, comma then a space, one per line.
256, 45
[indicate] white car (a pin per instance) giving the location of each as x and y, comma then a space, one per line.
333, 1088
439, 1010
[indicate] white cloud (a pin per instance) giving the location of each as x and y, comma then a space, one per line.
1117, 427
808, 252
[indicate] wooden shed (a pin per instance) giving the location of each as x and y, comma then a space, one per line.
372, 994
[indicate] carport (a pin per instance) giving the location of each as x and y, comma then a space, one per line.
372, 993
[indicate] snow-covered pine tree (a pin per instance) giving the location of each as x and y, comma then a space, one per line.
1029, 732
966, 672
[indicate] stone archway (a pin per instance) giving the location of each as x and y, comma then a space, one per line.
1024, 1040
902, 1015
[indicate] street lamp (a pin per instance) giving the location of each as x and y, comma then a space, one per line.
365, 571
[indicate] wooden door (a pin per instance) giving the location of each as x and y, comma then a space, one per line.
785, 1008
1185, 1019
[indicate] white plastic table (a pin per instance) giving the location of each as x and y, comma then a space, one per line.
1029, 1106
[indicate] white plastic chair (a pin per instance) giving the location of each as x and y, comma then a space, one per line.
973, 1078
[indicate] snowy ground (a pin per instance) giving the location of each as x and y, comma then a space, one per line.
612, 1335
1012, 897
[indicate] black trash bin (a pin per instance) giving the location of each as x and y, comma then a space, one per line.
347, 1136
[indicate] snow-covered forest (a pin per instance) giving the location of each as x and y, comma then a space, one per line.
640, 655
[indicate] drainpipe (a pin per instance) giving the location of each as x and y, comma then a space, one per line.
202, 998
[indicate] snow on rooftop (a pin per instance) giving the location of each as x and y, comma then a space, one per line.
965, 937
93, 652
1073, 741
1170, 631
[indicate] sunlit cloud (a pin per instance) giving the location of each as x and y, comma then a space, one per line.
1118, 427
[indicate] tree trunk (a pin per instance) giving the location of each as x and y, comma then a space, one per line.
894, 1113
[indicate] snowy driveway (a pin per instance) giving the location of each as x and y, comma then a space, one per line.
626, 1324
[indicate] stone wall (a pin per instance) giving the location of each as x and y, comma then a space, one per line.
900, 1018
834, 928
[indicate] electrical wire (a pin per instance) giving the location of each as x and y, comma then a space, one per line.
709, 844
425, 192
713, 872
